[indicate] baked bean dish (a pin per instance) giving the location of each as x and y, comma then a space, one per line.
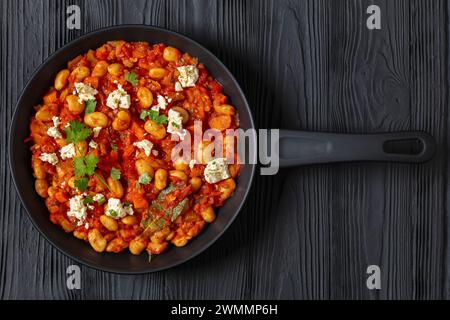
102, 148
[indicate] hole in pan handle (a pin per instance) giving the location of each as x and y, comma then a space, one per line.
304, 147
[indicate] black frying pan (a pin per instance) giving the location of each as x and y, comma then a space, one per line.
296, 148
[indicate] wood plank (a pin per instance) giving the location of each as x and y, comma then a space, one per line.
429, 111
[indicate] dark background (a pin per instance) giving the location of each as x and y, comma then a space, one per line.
306, 233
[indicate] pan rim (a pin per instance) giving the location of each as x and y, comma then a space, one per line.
13, 166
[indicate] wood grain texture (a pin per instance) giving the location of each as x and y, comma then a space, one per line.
306, 233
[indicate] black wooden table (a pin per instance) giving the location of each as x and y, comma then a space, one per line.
306, 233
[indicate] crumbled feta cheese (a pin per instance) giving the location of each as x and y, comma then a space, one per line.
90, 207
85, 92
115, 209
144, 145
175, 121
68, 151
86, 225
77, 209
155, 152
216, 170
128, 210
192, 163
96, 131
55, 120
54, 131
51, 158
119, 98
93, 144
175, 124
162, 103
178, 86
98, 197
188, 76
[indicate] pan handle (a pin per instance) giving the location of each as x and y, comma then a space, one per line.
302, 147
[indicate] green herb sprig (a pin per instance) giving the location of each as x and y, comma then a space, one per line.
77, 132
115, 173
154, 116
90, 106
131, 77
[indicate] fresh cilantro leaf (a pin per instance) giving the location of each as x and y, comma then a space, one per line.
113, 213
127, 204
91, 163
143, 114
154, 116
81, 184
144, 178
77, 132
115, 173
131, 77
88, 200
114, 147
148, 113
85, 165
161, 119
175, 124
79, 166
90, 106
